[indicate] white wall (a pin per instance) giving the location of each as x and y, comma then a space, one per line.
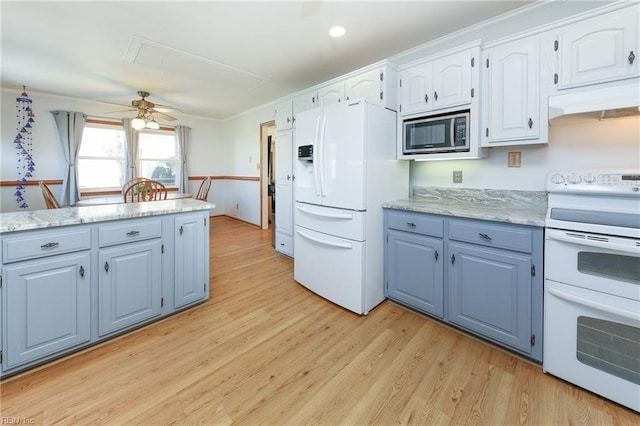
206, 154
574, 144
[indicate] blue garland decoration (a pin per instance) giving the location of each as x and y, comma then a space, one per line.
24, 145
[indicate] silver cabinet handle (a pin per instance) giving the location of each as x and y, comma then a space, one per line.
530, 123
181, 229
631, 57
106, 266
484, 236
426, 98
81, 272
435, 95
132, 233
436, 255
49, 245
411, 224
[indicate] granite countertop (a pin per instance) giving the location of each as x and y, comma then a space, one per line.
36, 219
519, 207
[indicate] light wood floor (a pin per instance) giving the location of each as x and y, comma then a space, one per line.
264, 350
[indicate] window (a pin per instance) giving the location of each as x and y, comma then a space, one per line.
101, 160
157, 156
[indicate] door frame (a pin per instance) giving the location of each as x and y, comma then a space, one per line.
266, 129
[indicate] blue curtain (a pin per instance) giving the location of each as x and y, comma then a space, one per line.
70, 127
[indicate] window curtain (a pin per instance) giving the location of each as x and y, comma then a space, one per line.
131, 139
70, 127
182, 176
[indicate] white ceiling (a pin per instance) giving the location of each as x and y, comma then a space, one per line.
212, 58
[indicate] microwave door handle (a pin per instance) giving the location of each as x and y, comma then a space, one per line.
453, 133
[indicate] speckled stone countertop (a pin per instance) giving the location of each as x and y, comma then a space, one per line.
520, 207
36, 219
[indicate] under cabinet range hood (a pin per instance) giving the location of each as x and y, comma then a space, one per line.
601, 103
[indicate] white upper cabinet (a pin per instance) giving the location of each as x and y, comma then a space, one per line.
513, 113
598, 50
284, 115
438, 84
303, 103
331, 94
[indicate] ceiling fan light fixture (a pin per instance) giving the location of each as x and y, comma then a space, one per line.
152, 124
138, 123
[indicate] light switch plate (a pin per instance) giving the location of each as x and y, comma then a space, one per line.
514, 159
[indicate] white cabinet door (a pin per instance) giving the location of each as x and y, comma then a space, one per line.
416, 89
365, 85
600, 49
129, 285
452, 80
284, 191
284, 115
190, 238
512, 100
46, 307
304, 103
331, 94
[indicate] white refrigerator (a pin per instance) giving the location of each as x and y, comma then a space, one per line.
346, 168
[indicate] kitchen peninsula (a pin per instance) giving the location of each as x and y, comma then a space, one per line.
76, 276
471, 258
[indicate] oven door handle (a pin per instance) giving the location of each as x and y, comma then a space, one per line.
595, 305
562, 236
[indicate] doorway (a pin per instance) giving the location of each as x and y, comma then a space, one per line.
267, 176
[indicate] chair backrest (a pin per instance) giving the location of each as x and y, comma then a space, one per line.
143, 189
203, 191
49, 198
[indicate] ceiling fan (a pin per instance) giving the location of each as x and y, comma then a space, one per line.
147, 112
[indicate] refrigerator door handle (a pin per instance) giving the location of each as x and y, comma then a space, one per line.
340, 215
321, 155
316, 143
325, 242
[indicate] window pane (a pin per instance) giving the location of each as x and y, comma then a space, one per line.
101, 160
157, 156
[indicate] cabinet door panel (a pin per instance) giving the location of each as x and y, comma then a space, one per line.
129, 285
416, 90
490, 292
284, 115
284, 187
452, 80
415, 272
331, 94
366, 86
598, 49
190, 239
48, 304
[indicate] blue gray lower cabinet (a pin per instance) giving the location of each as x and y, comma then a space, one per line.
481, 276
69, 287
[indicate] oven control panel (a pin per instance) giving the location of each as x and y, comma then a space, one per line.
595, 181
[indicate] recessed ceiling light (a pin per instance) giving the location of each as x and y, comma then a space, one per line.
337, 31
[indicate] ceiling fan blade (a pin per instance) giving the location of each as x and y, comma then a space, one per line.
162, 115
166, 108
114, 103
122, 110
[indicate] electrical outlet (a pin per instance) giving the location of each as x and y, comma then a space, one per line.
514, 159
457, 176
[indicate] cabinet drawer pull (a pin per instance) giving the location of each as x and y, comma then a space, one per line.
81, 272
530, 123
426, 98
106, 266
436, 255
132, 233
49, 245
631, 57
411, 224
484, 236
181, 229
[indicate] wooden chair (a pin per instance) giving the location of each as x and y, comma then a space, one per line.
143, 189
203, 191
49, 198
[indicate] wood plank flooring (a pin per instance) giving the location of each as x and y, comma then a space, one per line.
264, 350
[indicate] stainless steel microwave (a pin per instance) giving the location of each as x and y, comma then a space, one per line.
436, 133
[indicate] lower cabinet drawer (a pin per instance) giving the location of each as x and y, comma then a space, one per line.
510, 237
32, 245
126, 232
415, 222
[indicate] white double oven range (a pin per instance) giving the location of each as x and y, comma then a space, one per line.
592, 282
